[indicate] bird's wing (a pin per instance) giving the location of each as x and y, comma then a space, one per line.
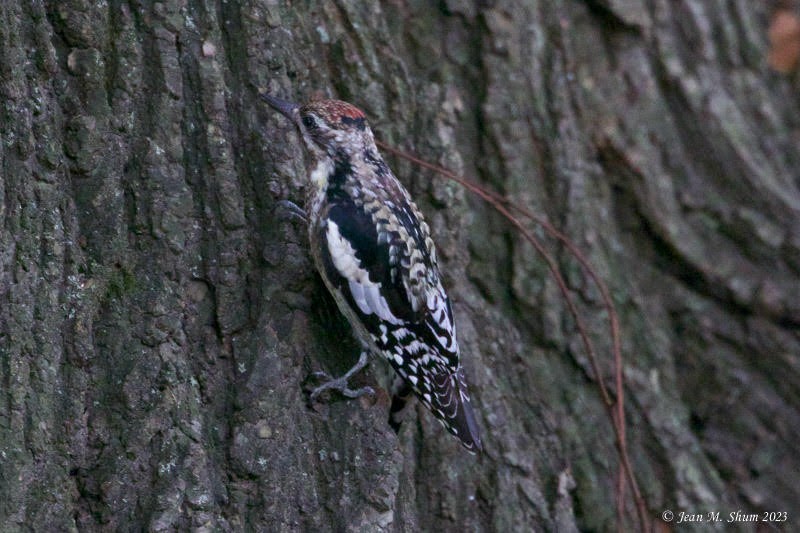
387, 273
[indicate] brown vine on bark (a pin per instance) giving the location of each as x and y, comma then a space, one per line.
615, 409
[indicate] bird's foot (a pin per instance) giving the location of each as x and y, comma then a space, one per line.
288, 209
341, 383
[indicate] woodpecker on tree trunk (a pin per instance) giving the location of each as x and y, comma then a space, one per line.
374, 251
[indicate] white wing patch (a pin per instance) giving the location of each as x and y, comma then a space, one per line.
366, 294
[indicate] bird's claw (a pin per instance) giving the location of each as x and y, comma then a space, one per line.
288, 209
341, 385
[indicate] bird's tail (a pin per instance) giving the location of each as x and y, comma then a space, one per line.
449, 401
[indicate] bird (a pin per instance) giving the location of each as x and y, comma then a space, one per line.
374, 252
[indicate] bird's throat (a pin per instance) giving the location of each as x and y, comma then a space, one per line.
321, 173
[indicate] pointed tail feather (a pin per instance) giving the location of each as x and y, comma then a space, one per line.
449, 401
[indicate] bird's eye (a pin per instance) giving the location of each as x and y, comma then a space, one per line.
309, 122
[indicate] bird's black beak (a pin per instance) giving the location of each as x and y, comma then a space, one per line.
285, 107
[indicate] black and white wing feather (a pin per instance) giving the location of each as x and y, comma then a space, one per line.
376, 254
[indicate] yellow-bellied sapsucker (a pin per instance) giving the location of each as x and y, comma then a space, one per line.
374, 251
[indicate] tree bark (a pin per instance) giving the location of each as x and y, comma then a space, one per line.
160, 315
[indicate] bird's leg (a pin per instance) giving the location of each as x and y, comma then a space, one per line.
340, 384
291, 209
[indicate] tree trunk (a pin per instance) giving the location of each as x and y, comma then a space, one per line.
160, 315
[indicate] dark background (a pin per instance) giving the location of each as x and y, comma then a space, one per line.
159, 316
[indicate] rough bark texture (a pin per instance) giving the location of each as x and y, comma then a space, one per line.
159, 316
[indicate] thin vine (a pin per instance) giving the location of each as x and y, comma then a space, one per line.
614, 410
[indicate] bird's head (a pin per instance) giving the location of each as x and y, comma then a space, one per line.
330, 128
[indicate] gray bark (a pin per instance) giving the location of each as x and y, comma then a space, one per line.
159, 316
